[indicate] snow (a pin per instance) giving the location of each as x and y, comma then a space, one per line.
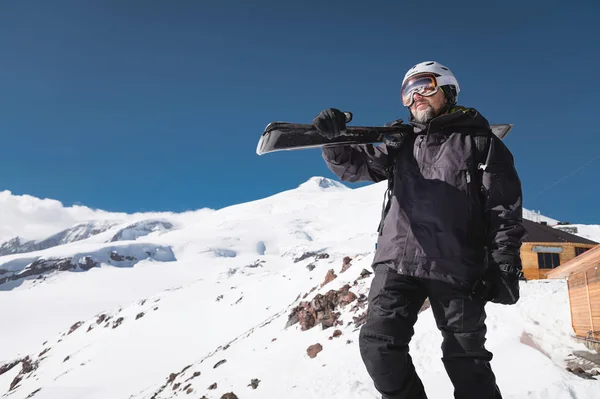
591, 232
537, 216
220, 285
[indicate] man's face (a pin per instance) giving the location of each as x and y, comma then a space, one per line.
424, 109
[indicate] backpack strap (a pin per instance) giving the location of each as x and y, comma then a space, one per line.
482, 147
394, 145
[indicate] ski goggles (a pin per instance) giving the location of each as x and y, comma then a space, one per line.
426, 84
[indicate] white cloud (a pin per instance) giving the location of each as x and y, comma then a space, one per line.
34, 218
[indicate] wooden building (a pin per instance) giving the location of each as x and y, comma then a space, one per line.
583, 279
545, 248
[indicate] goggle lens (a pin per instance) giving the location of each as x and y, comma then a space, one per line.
425, 85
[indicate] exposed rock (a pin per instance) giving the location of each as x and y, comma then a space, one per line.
329, 277
41, 266
229, 395
176, 386
220, 362
118, 322
8, 366
580, 372
27, 367
75, 327
337, 333
254, 383
196, 374
114, 255
361, 302
256, 263
32, 394
346, 298
322, 256
87, 262
322, 309
139, 315
66, 358
360, 320
346, 264
365, 273
189, 390
311, 267
313, 350
305, 255
100, 318
213, 386
42, 353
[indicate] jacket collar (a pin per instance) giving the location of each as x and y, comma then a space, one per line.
458, 119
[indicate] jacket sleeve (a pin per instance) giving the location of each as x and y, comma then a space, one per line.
503, 203
353, 163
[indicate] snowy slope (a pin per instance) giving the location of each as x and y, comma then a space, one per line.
224, 290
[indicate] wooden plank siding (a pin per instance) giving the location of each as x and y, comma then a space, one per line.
593, 281
529, 259
583, 278
584, 298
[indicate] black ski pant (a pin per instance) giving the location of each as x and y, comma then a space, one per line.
394, 303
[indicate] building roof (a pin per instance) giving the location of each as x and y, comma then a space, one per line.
585, 261
537, 232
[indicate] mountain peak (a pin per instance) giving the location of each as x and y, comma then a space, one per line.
323, 183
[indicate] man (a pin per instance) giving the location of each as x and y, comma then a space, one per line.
451, 231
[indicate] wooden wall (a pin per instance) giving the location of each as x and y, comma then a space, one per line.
584, 296
529, 258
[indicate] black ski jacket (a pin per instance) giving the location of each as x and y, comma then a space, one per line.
445, 214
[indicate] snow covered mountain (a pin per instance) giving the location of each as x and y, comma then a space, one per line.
79, 232
258, 300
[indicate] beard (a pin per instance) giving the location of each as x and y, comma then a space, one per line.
425, 115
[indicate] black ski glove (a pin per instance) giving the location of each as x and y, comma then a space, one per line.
331, 122
501, 284
396, 141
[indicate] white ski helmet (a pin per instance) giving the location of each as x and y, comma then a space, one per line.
443, 74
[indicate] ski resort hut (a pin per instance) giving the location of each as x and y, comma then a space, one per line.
583, 279
546, 248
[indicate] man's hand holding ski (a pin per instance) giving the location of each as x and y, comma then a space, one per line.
331, 122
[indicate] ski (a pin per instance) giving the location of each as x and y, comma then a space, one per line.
279, 136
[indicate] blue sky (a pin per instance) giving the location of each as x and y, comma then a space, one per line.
155, 105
